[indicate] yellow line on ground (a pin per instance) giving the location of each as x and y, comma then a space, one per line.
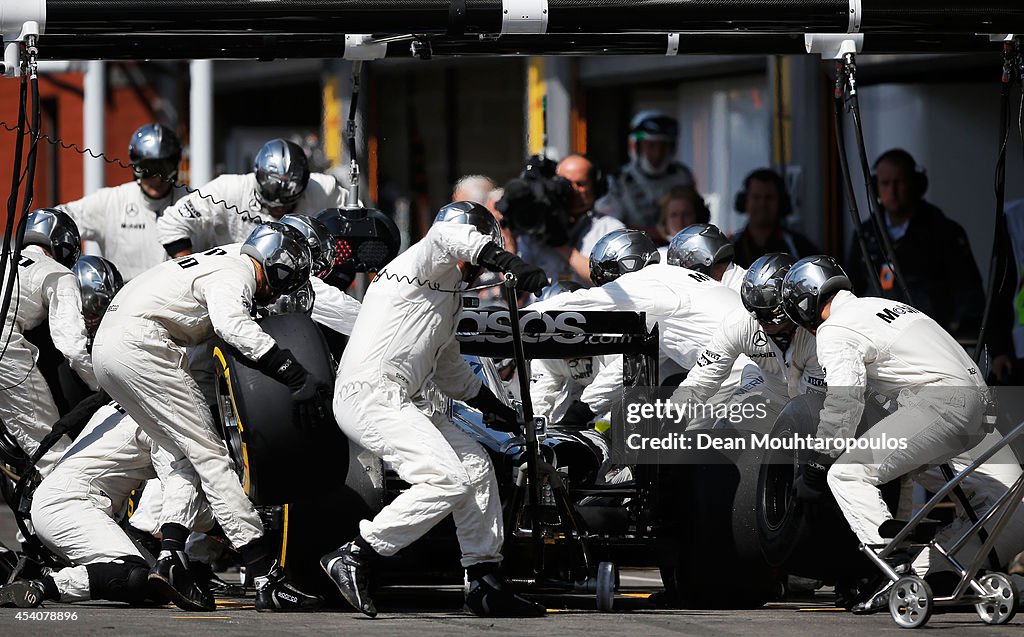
201, 617
637, 595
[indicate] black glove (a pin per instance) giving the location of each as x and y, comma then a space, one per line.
308, 392
813, 484
497, 414
576, 417
528, 277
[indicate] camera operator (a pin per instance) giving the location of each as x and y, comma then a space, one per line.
553, 217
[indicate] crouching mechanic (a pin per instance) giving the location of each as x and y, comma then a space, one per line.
785, 361
404, 338
141, 362
702, 247
45, 290
74, 510
904, 355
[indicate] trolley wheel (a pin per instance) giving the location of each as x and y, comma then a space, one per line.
607, 575
1001, 600
910, 602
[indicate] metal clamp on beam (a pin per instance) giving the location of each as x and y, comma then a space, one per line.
833, 46
673, 44
856, 14
1001, 37
19, 20
524, 16
362, 46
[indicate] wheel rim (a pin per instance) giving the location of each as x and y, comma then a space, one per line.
909, 603
232, 434
1001, 596
776, 496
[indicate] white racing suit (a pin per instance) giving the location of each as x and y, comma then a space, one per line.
779, 375
688, 306
73, 509
140, 361
123, 221
633, 193
904, 355
45, 290
331, 308
733, 277
226, 211
555, 383
403, 339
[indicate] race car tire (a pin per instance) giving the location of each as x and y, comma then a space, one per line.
279, 461
807, 539
718, 561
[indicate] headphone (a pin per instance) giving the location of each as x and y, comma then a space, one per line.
769, 175
918, 176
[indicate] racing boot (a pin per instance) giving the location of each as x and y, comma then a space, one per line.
170, 577
349, 568
274, 593
22, 594
879, 599
489, 597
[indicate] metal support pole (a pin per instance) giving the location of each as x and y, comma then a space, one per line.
200, 114
94, 126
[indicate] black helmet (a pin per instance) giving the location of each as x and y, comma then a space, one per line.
282, 172
155, 151
365, 240
282, 253
56, 231
98, 280
654, 126
699, 247
808, 285
621, 251
558, 287
475, 215
318, 239
761, 290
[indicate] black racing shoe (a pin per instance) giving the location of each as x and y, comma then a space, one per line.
879, 599
170, 577
348, 567
22, 594
274, 593
488, 597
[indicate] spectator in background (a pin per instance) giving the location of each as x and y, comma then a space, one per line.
680, 207
634, 192
932, 251
481, 189
766, 202
570, 260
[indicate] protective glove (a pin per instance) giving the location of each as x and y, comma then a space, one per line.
813, 484
528, 277
497, 414
308, 392
576, 417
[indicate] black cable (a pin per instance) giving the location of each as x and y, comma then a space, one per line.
876, 214
998, 261
8, 261
851, 198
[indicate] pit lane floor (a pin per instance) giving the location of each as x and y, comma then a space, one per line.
429, 611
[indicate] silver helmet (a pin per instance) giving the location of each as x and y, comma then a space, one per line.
282, 173
699, 247
761, 290
559, 287
808, 285
98, 281
283, 255
56, 231
322, 247
298, 302
473, 214
621, 251
155, 151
